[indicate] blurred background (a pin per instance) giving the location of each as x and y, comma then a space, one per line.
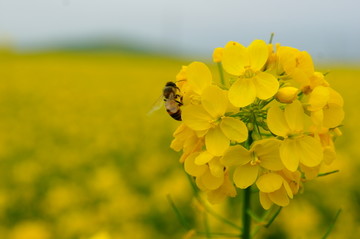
80, 158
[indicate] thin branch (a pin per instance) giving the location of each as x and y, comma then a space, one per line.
219, 234
178, 213
328, 173
332, 224
208, 209
271, 220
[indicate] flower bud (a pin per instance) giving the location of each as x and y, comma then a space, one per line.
287, 94
218, 54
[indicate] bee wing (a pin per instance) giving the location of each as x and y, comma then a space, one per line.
157, 105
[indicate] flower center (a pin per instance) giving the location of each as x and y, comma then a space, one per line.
215, 122
249, 73
255, 160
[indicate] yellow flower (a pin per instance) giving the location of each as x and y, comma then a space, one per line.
297, 64
210, 118
326, 107
310, 172
246, 64
262, 154
287, 94
297, 146
326, 136
209, 176
273, 189
186, 139
293, 179
317, 79
218, 54
227, 189
192, 80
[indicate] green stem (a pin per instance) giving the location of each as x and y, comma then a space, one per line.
271, 220
208, 209
245, 215
221, 73
218, 234
271, 38
206, 225
327, 173
332, 224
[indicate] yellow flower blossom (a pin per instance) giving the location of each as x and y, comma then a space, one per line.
262, 154
291, 138
318, 79
293, 179
218, 54
246, 64
297, 146
326, 107
326, 136
273, 189
186, 139
209, 176
210, 117
192, 80
296, 64
227, 189
287, 94
310, 172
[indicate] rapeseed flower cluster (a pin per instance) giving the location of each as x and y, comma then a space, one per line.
271, 122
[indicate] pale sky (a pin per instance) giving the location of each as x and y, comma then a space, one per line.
327, 29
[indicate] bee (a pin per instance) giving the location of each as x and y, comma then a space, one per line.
173, 100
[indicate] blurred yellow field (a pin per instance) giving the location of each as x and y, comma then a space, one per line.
80, 158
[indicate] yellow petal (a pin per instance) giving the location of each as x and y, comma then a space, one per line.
236, 155
211, 182
226, 189
333, 115
289, 154
288, 189
335, 98
193, 169
245, 176
287, 58
198, 76
266, 85
269, 182
216, 142
276, 122
258, 54
300, 77
234, 129
305, 63
279, 197
287, 94
214, 101
329, 155
199, 184
317, 117
268, 152
203, 158
242, 92
318, 98
294, 115
310, 173
310, 150
232, 43
235, 58
217, 54
265, 201
196, 118
216, 168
